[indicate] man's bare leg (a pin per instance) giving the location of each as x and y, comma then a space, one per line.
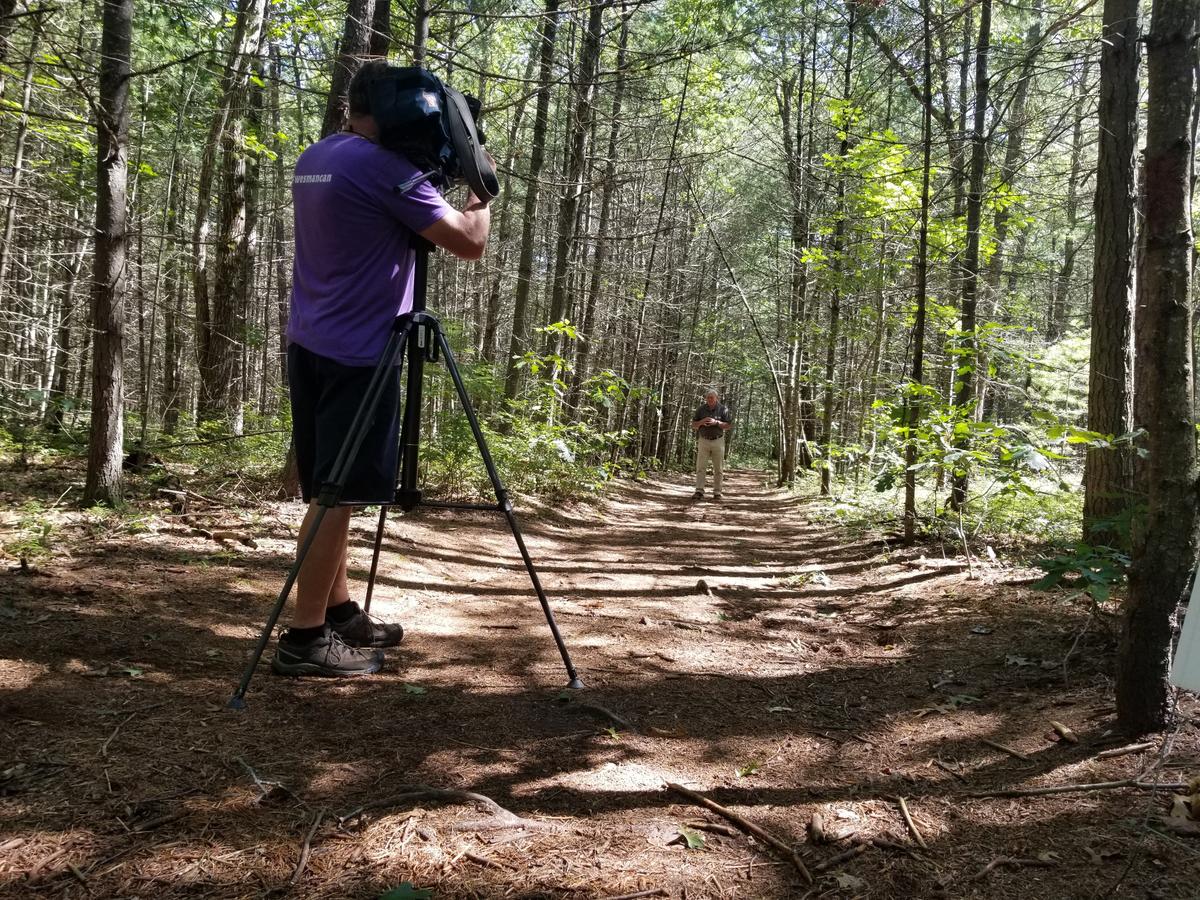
323, 575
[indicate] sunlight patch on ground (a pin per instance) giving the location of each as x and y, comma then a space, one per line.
618, 777
16, 674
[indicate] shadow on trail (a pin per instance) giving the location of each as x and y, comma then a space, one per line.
845, 703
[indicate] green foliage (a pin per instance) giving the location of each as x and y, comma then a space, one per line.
1095, 571
32, 532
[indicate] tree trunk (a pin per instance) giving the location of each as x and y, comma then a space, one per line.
1107, 476
212, 339
104, 483
18, 166
537, 157
914, 402
355, 44
585, 94
967, 361
1061, 295
1165, 547
381, 29
835, 269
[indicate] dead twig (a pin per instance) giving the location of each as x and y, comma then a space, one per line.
603, 712
104, 746
1072, 788
949, 771
501, 817
746, 825
1125, 751
653, 892
912, 826
844, 856
1012, 862
1003, 749
306, 847
484, 861
884, 844
151, 824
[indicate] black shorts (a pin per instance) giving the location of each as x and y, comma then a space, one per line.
325, 397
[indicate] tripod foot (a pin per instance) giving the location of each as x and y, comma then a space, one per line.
576, 684
239, 702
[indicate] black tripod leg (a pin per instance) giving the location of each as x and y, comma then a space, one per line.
331, 492
238, 700
506, 506
375, 558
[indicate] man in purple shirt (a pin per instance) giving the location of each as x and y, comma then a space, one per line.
357, 207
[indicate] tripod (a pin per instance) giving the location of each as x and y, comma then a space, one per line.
421, 335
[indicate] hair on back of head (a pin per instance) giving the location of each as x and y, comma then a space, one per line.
359, 93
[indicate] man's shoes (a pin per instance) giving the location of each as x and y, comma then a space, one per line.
716, 496
358, 629
327, 656
698, 495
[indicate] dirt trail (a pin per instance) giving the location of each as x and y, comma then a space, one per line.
780, 665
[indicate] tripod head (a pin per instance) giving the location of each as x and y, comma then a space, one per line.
423, 249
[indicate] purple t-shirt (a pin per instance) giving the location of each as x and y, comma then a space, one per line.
353, 271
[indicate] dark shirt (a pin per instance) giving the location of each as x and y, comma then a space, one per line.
720, 412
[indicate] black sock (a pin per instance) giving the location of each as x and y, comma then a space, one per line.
304, 635
343, 612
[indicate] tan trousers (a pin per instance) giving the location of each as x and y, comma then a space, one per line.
709, 449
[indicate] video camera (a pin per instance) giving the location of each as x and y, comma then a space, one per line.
434, 126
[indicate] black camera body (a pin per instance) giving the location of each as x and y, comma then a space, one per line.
434, 126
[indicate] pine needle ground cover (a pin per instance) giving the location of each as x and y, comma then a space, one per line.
800, 678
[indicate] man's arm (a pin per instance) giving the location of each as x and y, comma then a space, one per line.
463, 233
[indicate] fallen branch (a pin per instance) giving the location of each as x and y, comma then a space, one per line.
654, 892
949, 771
501, 817
1072, 788
1009, 861
603, 712
844, 856
1123, 751
912, 826
483, 861
1009, 750
749, 827
306, 847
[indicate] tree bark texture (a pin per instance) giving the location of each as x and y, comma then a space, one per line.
537, 158
104, 483
355, 45
1165, 544
969, 347
1107, 475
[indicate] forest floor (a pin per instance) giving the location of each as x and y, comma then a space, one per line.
751, 651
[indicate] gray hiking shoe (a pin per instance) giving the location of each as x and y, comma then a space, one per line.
329, 656
360, 630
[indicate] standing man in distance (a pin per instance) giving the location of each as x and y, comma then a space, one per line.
711, 421
353, 275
